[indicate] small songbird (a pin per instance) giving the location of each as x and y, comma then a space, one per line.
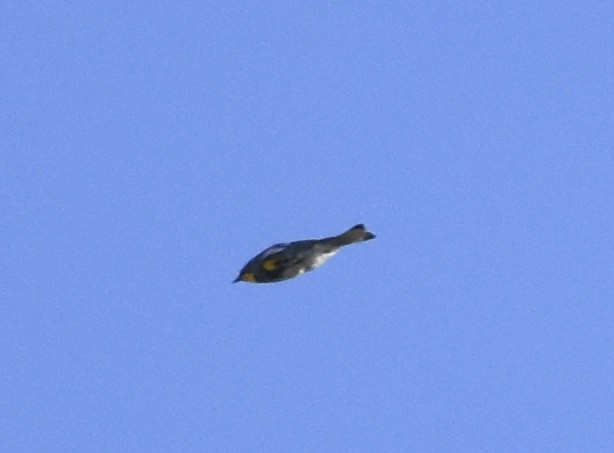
283, 261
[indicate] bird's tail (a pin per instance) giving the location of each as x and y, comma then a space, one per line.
357, 233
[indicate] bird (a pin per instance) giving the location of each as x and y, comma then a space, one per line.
288, 260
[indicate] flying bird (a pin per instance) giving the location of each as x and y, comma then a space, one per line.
288, 260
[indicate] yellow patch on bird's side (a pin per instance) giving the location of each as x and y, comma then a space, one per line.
269, 265
248, 277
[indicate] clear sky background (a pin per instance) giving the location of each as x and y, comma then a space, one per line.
149, 149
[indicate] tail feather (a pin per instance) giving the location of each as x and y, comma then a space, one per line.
357, 233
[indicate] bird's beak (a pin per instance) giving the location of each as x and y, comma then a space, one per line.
238, 279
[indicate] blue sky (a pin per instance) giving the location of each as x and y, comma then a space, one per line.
149, 150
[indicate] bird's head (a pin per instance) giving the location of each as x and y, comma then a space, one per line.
245, 276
